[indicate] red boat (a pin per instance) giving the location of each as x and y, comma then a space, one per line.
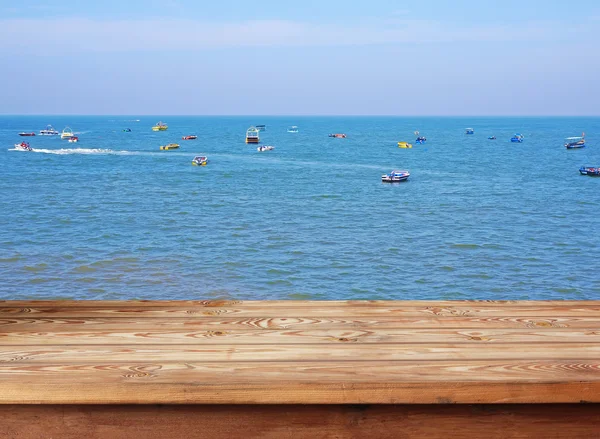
189, 137
26, 134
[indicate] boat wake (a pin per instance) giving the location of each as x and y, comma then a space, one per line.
69, 151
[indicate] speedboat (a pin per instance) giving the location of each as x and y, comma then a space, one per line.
589, 170
469, 131
338, 136
420, 140
200, 160
23, 146
169, 146
74, 139
26, 134
49, 131
517, 138
67, 133
189, 137
395, 176
160, 127
404, 145
261, 127
292, 129
265, 148
492, 138
575, 142
252, 135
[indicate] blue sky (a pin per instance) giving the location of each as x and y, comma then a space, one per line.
382, 57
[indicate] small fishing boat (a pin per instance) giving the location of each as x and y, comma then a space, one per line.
200, 160
575, 142
26, 134
404, 145
169, 146
74, 139
492, 138
160, 127
395, 176
49, 131
292, 129
416, 132
338, 135
469, 131
517, 138
420, 140
265, 148
189, 137
590, 171
67, 133
261, 127
252, 135
23, 146
127, 130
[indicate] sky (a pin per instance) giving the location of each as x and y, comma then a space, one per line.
327, 57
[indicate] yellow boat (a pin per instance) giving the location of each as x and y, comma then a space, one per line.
160, 127
404, 145
170, 146
200, 160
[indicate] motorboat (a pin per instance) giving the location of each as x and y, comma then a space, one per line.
189, 137
23, 146
575, 142
160, 127
469, 131
67, 133
265, 148
169, 146
261, 127
420, 140
200, 160
517, 138
127, 130
292, 129
27, 134
252, 135
338, 136
590, 171
404, 145
49, 131
395, 176
492, 138
74, 139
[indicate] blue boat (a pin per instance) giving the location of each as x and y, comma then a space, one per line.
517, 138
469, 131
575, 142
590, 171
420, 140
492, 138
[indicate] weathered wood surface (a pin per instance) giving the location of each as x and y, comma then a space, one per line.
300, 422
229, 352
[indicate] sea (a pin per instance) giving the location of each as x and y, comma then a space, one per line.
113, 217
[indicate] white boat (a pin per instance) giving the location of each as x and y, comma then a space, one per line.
67, 133
200, 160
265, 148
23, 146
49, 131
575, 142
395, 176
469, 131
252, 135
74, 139
292, 129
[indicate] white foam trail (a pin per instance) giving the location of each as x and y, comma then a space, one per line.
89, 151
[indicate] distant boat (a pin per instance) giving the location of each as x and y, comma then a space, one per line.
469, 131
169, 146
67, 133
252, 135
338, 136
492, 138
160, 127
575, 142
27, 134
420, 140
404, 145
517, 138
292, 129
23, 146
189, 137
49, 131
261, 127
590, 171
200, 160
395, 176
265, 148
127, 130
74, 139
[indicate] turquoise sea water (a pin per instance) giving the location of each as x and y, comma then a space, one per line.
112, 217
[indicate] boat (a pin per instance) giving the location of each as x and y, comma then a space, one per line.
420, 140
395, 176
23, 146
404, 145
169, 146
160, 127
127, 130
26, 134
265, 148
575, 142
252, 135
67, 133
74, 139
292, 129
338, 136
261, 127
49, 131
469, 131
189, 137
416, 132
200, 160
590, 171
517, 138
492, 138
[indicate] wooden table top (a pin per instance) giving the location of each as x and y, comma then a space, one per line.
290, 352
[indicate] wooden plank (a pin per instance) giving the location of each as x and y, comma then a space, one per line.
558, 421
